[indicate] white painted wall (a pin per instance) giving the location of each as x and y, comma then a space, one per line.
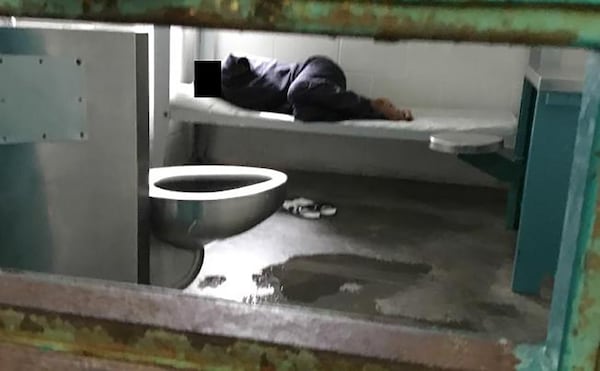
175, 142
159, 83
564, 59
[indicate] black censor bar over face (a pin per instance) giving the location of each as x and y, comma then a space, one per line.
207, 79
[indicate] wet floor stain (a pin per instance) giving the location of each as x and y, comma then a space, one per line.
351, 287
346, 282
462, 325
353, 283
468, 287
305, 279
452, 324
212, 281
499, 309
268, 284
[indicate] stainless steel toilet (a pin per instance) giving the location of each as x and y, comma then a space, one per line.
194, 205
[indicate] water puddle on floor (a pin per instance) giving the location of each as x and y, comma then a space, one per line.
212, 282
307, 279
408, 292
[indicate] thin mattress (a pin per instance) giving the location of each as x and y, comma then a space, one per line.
215, 111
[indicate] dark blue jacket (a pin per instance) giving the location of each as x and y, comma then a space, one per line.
263, 85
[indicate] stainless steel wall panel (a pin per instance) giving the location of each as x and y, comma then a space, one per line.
74, 208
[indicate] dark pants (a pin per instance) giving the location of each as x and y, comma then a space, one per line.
319, 93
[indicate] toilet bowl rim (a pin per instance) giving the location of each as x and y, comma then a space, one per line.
155, 175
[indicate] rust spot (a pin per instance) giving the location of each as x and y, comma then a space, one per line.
593, 357
343, 16
267, 12
592, 261
208, 17
120, 333
86, 6
596, 227
265, 365
479, 4
99, 6
397, 28
470, 34
587, 302
359, 20
94, 333
198, 341
28, 325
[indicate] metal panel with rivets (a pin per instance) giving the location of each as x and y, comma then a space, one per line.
41, 99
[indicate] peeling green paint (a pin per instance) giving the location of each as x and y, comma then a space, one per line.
529, 22
533, 358
51, 332
579, 349
551, 22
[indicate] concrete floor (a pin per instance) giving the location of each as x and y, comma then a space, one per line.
414, 253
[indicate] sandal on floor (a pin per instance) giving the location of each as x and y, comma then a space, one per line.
293, 205
308, 209
327, 210
309, 212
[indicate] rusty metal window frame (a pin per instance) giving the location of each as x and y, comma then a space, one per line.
168, 329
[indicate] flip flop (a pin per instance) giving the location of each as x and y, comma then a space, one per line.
309, 212
293, 206
327, 210
308, 209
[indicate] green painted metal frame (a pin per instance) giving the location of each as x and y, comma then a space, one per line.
548, 22
545, 189
501, 165
526, 113
574, 329
573, 339
578, 347
169, 328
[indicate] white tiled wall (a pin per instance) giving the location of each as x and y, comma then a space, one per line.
564, 59
171, 143
426, 74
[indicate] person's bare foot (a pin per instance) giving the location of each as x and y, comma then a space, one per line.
390, 111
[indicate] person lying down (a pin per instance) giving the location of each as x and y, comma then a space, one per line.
314, 90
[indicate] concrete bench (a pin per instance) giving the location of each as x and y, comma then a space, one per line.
214, 111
